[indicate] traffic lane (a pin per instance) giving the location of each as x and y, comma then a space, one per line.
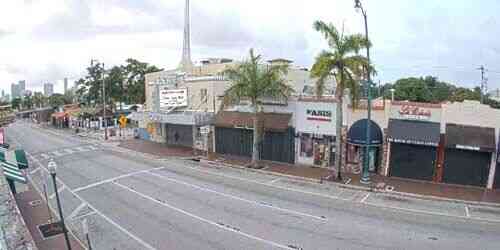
161, 227
35, 140
285, 226
80, 170
102, 234
366, 222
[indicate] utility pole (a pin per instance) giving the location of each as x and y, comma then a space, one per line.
484, 83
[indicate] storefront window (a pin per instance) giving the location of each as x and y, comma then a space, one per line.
306, 145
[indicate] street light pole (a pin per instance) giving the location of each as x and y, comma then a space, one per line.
365, 178
104, 104
52, 170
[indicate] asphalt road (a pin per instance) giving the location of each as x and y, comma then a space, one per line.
132, 202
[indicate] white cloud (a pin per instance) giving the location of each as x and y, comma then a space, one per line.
47, 40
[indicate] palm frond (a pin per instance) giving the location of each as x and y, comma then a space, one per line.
330, 33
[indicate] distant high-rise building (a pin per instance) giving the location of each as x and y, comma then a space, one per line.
65, 85
48, 89
3, 93
21, 87
186, 62
14, 91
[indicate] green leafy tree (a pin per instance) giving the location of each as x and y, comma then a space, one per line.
253, 81
343, 62
56, 100
39, 99
133, 87
16, 103
114, 84
27, 101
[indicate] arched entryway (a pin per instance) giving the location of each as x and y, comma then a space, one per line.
356, 142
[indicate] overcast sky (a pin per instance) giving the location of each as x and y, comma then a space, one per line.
47, 40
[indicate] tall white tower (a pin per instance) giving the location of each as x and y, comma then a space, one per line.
186, 62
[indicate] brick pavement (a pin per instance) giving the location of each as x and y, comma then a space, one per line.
37, 215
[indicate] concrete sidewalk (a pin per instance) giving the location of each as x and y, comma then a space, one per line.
37, 214
156, 149
402, 186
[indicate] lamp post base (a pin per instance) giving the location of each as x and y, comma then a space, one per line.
365, 180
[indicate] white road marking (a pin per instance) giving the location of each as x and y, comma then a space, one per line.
57, 153
77, 210
83, 216
263, 204
45, 156
275, 180
114, 179
34, 170
59, 190
270, 185
213, 223
467, 213
128, 233
69, 151
364, 198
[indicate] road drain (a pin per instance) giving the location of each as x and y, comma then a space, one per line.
295, 247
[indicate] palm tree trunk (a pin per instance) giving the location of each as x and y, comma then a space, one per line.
255, 148
338, 139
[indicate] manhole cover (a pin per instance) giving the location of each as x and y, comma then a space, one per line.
51, 229
35, 203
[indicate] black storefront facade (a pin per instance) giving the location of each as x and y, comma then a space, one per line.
413, 148
468, 156
234, 135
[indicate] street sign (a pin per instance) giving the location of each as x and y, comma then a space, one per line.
123, 121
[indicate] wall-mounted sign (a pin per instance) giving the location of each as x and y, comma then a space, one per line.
414, 142
319, 115
173, 98
414, 112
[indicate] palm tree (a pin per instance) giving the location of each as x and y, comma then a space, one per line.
253, 81
344, 63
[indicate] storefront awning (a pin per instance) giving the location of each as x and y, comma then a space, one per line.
414, 132
11, 168
470, 138
357, 133
270, 121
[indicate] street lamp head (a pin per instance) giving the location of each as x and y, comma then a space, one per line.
52, 167
357, 4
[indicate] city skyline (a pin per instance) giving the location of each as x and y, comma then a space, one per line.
417, 39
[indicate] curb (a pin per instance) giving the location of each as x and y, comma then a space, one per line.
354, 187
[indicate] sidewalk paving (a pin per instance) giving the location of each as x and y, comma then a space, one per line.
37, 215
156, 149
441, 190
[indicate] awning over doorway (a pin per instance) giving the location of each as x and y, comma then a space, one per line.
12, 165
357, 133
470, 138
270, 121
414, 132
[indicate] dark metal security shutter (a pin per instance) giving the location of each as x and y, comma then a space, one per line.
412, 161
466, 167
